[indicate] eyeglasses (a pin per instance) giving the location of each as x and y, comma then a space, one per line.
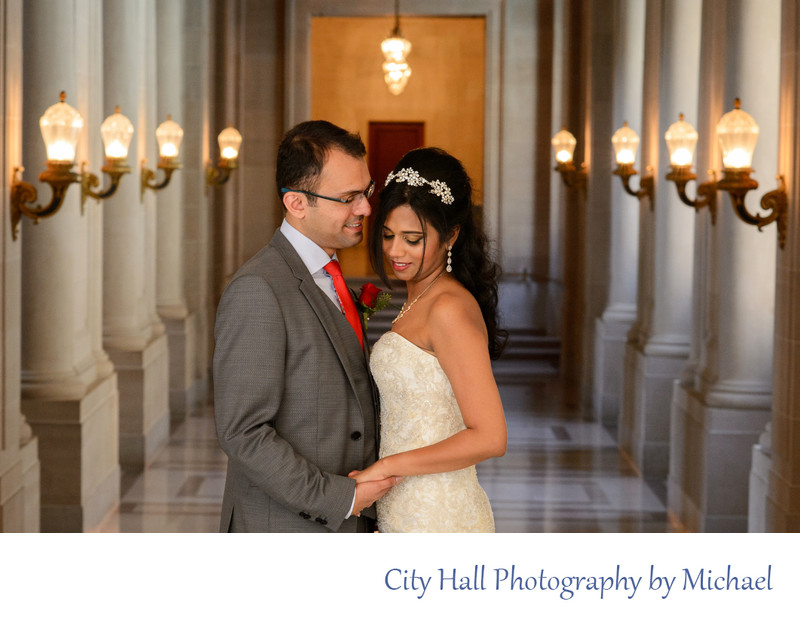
350, 199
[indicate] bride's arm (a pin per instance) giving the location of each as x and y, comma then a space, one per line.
459, 340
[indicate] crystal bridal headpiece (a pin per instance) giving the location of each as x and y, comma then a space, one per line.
412, 178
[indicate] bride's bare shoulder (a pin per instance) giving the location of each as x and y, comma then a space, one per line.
455, 311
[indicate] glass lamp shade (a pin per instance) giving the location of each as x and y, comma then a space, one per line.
681, 140
396, 70
564, 146
626, 143
395, 48
169, 135
117, 132
61, 126
229, 140
738, 133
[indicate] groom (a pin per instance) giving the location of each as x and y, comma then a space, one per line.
294, 403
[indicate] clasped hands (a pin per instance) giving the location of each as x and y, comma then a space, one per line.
371, 484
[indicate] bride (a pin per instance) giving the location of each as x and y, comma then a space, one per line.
440, 408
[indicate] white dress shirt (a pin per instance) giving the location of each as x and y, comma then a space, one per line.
315, 259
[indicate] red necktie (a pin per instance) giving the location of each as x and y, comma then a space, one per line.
345, 299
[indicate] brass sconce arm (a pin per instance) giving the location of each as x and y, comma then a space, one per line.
59, 175
646, 182
738, 182
572, 176
165, 164
219, 175
706, 192
115, 168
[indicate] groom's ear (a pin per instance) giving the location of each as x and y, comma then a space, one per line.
295, 204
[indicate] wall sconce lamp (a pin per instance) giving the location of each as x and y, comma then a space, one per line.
564, 147
61, 127
737, 132
117, 132
169, 135
626, 142
681, 140
229, 141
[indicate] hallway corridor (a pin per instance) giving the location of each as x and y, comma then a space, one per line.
562, 473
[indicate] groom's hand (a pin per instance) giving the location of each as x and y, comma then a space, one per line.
367, 493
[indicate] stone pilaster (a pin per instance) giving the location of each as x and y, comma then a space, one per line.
619, 314
197, 244
170, 281
783, 500
133, 334
69, 389
658, 342
19, 449
723, 402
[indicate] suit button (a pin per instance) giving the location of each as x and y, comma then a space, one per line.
356, 435
321, 521
305, 515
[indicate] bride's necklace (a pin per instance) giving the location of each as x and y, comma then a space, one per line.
404, 310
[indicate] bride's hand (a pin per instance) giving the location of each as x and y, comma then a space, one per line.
370, 474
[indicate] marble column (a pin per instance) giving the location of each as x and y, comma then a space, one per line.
170, 280
619, 314
134, 335
720, 416
658, 343
782, 450
570, 109
559, 193
197, 139
69, 388
523, 234
19, 450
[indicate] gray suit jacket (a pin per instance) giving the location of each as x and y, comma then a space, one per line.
294, 402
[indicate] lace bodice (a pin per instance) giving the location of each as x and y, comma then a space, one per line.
418, 408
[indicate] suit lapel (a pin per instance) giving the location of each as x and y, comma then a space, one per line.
336, 326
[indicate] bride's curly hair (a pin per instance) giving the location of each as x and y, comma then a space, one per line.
472, 265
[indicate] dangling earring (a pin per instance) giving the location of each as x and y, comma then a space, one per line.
449, 267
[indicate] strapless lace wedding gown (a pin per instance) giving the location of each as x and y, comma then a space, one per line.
418, 408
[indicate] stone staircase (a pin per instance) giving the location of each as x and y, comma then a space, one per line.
529, 353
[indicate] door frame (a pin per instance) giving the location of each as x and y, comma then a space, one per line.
297, 88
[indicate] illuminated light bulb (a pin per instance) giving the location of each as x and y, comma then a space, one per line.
61, 150
563, 156
626, 156
681, 157
737, 158
116, 149
168, 150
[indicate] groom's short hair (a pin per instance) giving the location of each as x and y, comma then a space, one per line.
304, 149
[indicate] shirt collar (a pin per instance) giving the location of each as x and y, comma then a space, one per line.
314, 257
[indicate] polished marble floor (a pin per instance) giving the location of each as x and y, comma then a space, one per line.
562, 473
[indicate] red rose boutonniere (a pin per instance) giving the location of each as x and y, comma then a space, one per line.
370, 300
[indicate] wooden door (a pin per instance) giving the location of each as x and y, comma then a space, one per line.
388, 142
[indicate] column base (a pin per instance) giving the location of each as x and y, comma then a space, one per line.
143, 401
609, 361
181, 342
78, 450
710, 456
758, 490
644, 423
783, 505
19, 491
